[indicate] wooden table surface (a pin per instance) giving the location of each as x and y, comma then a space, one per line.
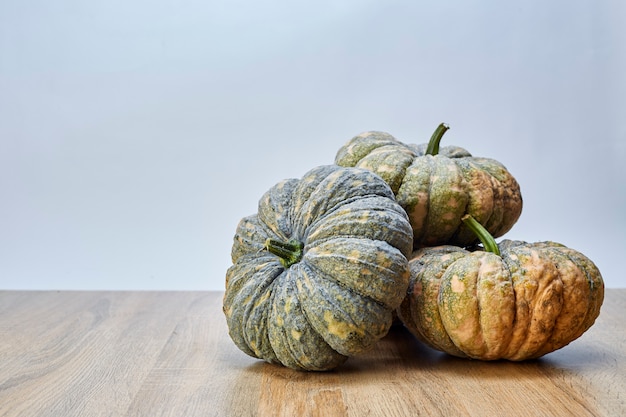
168, 354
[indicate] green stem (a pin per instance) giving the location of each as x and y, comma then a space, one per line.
288, 252
433, 143
489, 243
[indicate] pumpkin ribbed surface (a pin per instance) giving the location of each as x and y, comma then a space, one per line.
437, 190
334, 297
530, 300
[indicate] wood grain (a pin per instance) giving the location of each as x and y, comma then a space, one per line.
168, 354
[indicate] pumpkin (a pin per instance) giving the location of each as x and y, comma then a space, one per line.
438, 186
319, 270
513, 300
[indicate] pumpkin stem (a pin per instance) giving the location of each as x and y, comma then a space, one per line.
489, 243
433, 143
288, 252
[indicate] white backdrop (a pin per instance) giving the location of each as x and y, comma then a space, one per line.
135, 135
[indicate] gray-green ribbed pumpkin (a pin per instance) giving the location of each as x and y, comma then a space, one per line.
438, 186
318, 272
513, 300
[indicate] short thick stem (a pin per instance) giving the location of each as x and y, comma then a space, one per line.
288, 252
489, 243
435, 139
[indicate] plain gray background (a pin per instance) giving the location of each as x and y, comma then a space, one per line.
135, 135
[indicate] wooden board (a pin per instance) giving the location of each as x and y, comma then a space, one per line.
168, 354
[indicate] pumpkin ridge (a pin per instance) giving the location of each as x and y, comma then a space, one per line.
455, 152
374, 268
497, 219
355, 220
345, 189
510, 198
544, 304
581, 263
596, 283
413, 195
361, 145
480, 202
305, 189
247, 238
276, 201
381, 162
563, 334
340, 205
423, 262
496, 301
245, 290
313, 353
297, 361
362, 332
250, 320
458, 291
276, 333
524, 295
445, 210
429, 190
343, 285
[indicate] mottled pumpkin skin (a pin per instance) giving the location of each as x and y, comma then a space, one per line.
338, 300
533, 299
438, 190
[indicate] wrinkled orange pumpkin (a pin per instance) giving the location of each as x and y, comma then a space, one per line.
513, 300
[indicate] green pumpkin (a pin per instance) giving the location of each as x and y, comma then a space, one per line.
513, 300
319, 270
438, 186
